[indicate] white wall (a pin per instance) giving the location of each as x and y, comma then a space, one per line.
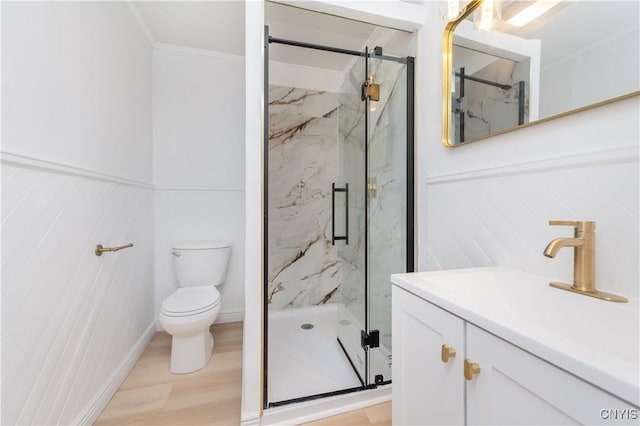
252, 348
489, 202
77, 80
76, 167
497, 212
198, 162
591, 74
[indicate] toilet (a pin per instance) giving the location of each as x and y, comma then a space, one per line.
188, 313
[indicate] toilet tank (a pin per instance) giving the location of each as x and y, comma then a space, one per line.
201, 263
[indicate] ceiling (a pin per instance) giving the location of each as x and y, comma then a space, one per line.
219, 26
572, 26
312, 27
210, 25
579, 25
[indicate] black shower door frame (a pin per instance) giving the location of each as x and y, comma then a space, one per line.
409, 61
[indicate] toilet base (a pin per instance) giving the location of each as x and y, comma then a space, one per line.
191, 353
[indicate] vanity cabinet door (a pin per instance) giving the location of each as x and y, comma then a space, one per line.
515, 387
426, 390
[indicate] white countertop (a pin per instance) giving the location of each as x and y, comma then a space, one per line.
596, 340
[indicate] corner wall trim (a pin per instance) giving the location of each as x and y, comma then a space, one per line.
92, 410
196, 51
21, 160
141, 22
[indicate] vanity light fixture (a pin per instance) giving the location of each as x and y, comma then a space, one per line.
450, 9
531, 12
487, 14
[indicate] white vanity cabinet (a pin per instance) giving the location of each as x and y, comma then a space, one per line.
426, 390
513, 386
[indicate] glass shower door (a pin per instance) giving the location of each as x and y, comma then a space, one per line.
349, 226
387, 202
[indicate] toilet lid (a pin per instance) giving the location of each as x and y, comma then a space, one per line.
191, 301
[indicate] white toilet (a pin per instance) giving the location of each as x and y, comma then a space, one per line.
188, 313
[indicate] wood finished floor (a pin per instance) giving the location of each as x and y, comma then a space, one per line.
375, 415
151, 395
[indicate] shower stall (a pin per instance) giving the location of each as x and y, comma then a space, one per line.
338, 192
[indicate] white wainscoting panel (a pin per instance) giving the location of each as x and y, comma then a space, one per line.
69, 318
502, 219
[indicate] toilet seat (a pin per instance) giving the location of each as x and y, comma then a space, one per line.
188, 301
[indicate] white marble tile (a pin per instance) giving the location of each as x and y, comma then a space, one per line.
303, 265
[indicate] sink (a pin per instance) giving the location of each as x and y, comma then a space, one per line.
584, 335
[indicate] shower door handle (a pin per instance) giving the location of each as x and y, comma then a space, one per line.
344, 237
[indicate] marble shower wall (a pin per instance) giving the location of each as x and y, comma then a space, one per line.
304, 268
490, 109
303, 265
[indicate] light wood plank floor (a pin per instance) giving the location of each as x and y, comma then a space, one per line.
151, 395
375, 415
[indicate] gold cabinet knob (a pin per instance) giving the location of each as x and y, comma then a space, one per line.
447, 353
470, 368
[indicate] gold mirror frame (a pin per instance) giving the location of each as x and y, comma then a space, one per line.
447, 67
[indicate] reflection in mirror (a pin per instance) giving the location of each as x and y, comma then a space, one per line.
489, 93
575, 54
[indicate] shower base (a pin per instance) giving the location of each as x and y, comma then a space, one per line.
304, 356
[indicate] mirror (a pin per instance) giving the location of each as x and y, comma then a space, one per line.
575, 55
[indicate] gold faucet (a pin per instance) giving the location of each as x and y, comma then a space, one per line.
584, 262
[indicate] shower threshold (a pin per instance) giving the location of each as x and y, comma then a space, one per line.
318, 396
327, 406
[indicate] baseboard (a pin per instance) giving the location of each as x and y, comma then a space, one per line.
223, 318
250, 419
230, 316
92, 410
